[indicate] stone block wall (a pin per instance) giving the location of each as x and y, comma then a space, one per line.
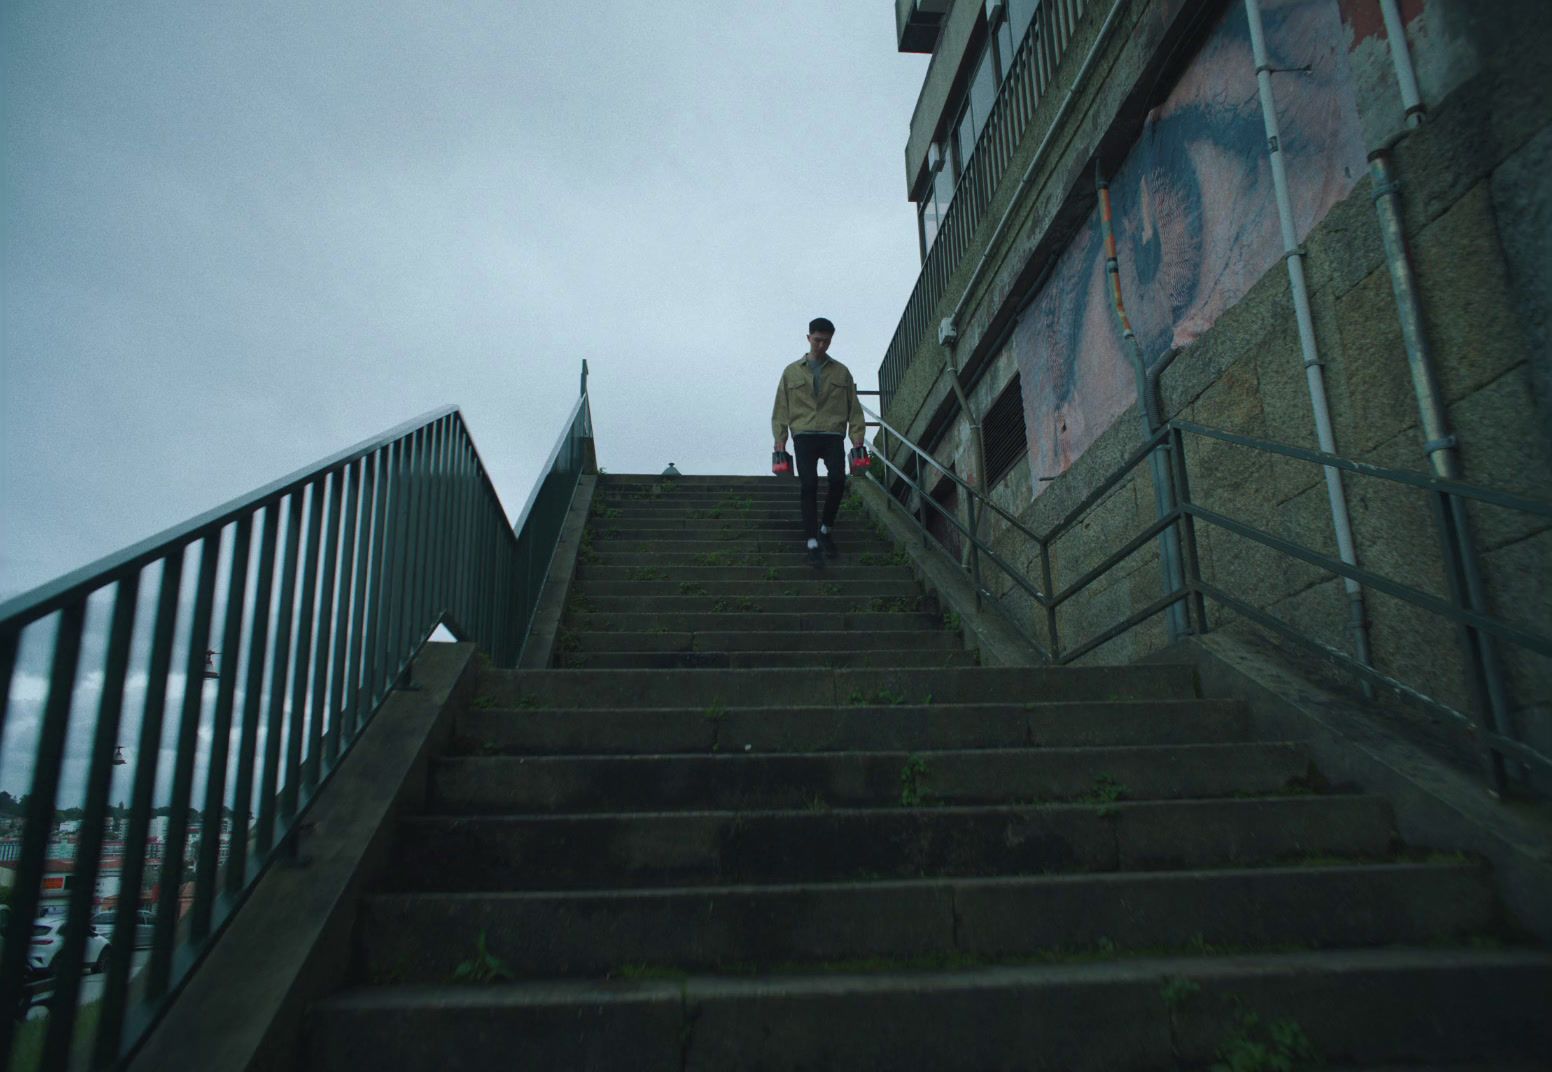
1477, 206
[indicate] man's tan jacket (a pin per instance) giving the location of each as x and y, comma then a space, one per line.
834, 408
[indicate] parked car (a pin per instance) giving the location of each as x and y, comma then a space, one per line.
145, 926
48, 939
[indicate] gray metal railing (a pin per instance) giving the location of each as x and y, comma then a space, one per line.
1497, 746
1023, 88
359, 559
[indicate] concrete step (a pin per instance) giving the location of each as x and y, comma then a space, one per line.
923, 638
694, 513
900, 594
724, 504
910, 728
687, 479
483, 853
820, 688
420, 937
916, 656
731, 494
504, 784
737, 553
1358, 1007
666, 605
729, 620
715, 530
653, 568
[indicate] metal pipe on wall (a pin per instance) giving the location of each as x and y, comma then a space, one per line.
1293, 256
1148, 410
1401, 58
1440, 446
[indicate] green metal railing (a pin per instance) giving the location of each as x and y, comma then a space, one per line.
359, 559
1500, 748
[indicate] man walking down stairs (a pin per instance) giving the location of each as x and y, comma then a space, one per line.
759, 816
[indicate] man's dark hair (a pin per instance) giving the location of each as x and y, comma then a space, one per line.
819, 324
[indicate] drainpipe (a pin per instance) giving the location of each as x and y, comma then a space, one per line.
1293, 256
1439, 445
1401, 58
1148, 410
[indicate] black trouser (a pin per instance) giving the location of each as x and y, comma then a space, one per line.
808, 450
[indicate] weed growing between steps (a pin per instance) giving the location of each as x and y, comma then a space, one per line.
483, 967
690, 588
1106, 793
912, 775
1257, 1046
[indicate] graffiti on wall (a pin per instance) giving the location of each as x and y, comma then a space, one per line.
1195, 219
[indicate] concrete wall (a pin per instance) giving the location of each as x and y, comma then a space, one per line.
1476, 200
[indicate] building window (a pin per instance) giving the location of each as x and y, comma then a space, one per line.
1002, 432
1007, 44
1020, 14
979, 98
929, 221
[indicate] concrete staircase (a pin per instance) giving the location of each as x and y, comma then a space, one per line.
767, 817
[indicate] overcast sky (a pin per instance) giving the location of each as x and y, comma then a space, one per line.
241, 236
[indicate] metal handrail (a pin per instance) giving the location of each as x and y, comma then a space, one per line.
1040, 593
1193, 591
1023, 88
374, 547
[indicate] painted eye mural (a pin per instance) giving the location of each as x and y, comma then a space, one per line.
1195, 218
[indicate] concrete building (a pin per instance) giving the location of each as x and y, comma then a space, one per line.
1028, 109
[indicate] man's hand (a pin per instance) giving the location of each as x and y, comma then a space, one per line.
781, 444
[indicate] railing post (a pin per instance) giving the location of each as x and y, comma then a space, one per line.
975, 549
1050, 606
1197, 607
1448, 519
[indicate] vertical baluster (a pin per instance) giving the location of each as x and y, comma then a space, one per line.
350, 477
221, 734
110, 1023
253, 690
272, 811
159, 971
386, 578
371, 654
434, 590
40, 811
414, 547
465, 546
367, 564
320, 705
69, 961
427, 581
10, 640
304, 648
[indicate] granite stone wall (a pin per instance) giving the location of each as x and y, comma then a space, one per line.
1477, 205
